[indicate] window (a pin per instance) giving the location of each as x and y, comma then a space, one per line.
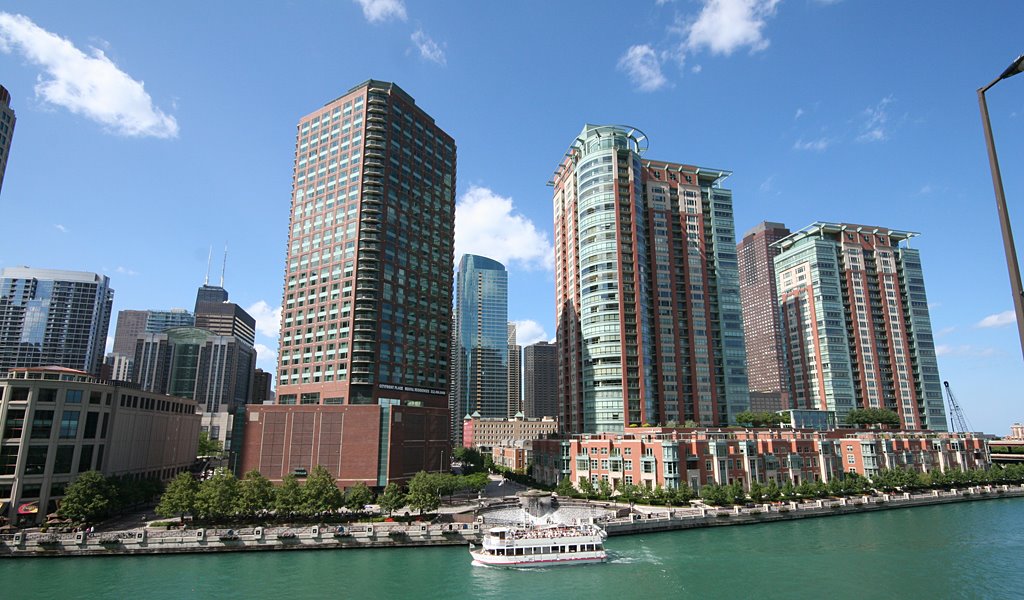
15, 423
8, 459
35, 462
47, 395
62, 461
73, 397
69, 425
91, 419
42, 424
85, 459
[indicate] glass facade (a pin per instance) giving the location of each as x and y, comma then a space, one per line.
481, 340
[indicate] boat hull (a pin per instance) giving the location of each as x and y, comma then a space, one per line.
548, 560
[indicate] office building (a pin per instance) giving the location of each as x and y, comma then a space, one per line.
856, 323
52, 317
482, 433
262, 386
133, 324
214, 370
363, 363
215, 313
59, 423
481, 338
515, 373
646, 286
540, 380
766, 367
7, 121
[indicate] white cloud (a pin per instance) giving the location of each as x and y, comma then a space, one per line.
876, 121
945, 331
641, 63
799, 113
487, 224
724, 26
266, 358
767, 185
963, 350
125, 271
268, 320
1007, 317
378, 11
817, 145
428, 48
529, 332
697, 69
60, 228
89, 85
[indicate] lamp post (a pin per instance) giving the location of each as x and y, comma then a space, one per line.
1004, 218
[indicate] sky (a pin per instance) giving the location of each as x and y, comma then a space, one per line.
149, 133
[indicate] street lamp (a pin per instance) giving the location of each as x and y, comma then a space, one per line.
1004, 218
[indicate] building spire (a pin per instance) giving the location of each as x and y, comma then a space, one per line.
224, 267
209, 257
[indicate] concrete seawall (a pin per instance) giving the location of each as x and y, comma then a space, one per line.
396, 535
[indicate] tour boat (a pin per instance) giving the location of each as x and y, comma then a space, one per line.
540, 546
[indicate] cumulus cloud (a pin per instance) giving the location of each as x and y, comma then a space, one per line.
1007, 317
488, 225
876, 121
378, 11
817, 145
643, 67
90, 85
963, 350
529, 332
125, 271
266, 358
429, 49
60, 228
725, 26
268, 320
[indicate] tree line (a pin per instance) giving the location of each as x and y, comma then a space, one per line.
224, 498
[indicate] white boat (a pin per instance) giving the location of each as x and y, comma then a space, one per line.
540, 546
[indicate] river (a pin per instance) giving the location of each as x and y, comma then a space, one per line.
965, 550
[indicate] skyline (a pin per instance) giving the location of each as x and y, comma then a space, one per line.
884, 131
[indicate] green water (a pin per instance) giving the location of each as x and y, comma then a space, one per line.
969, 550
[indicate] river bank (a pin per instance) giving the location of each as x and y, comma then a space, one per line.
393, 535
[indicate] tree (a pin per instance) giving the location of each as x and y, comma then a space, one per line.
586, 488
255, 494
604, 489
565, 488
757, 492
682, 495
288, 496
759, 419
471, 458
321, 494
872, 416
392, 498
209, 447
358, 496
179, 498
88, 499
217, 498
630, 493
424, 492
772, 491
734, 493
714, 494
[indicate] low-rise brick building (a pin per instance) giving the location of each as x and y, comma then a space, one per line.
668, 457
484, 433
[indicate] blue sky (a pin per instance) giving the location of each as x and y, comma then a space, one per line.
148, 132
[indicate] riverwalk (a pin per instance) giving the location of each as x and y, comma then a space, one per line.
642, 519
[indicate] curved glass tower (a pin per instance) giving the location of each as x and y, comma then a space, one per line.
647, 292
481, 340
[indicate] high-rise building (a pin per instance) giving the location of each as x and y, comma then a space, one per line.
7, 121
52, 317
515, 374
132, 324
481, 339
216, 314
766, 368
214, 370
647, 290
262, 386
856, 325
363, 363
540, 380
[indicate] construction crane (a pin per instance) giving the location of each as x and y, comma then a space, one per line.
957, 420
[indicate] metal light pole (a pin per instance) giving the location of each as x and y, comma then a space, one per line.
1004, 217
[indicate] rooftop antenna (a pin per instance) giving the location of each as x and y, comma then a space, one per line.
209, 257
224, 267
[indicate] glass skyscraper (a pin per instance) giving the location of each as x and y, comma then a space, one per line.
647, 288
481, 342
7, 121
53, 317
